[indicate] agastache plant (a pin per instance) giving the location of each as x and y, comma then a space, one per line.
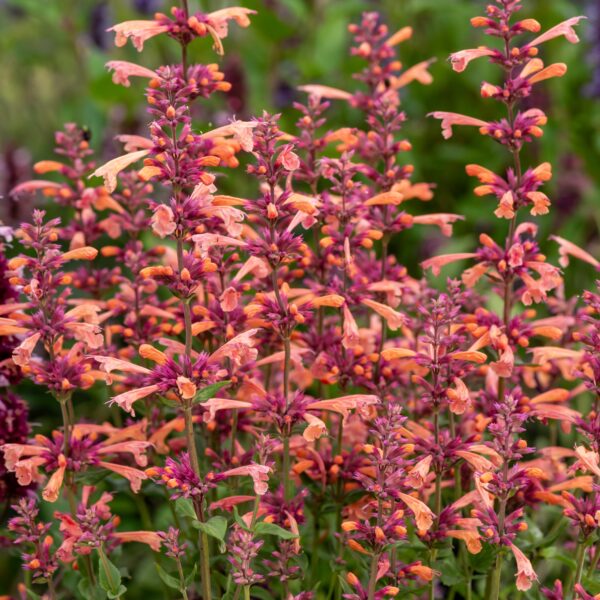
516, 266
282, 408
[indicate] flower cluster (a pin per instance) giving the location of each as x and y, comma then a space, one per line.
276, 387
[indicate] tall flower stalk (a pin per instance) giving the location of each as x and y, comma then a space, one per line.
512, 268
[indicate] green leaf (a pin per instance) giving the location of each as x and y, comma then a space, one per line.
184, 507
33, 595
554, 553
169, 580
109, 577
591, 585
555, 532
115, 595
272, 529
169, 403
209, 391
91, 477
262, 593
239, 521
483, 560
190, 578
87, 590
230, 588
450, 571
215, 527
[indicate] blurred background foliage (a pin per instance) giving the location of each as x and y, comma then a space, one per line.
53, 53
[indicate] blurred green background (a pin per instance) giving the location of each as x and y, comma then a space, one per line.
53, 56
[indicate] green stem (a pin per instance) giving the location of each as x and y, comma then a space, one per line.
204, 547
383, 337
285, 466
184, 61
255, 512
187, 317
373, 577
286, 368
580, 560
246, 592
234, 426
191, 439
286, 440
469, 585
285, 463
51, 589
496, 578
437, 503
66, 424
314, 555
595, 560
183, 589
204, 559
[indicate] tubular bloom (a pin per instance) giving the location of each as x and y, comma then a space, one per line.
254, 381
518, 271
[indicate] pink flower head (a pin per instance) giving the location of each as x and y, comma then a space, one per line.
316, 428
123, 70
350, 337
112, 168
229, 299
417, 476
400, 36
525, 573
22, 353
138, 31
163, 221
503, 367
133, 475
131, 143
150, 538
205, 241
137, 448
470, 537
289, 159
562, 29
259, 474
459, 396
213, 405
437, 262
126, 400
240, 349
479, 463
218, 23
240, 130
588, 459
186, 387
442, 220
450, 119
419, 72
108, 364
324, 91
52, 489
461, 59
345, 404
567, 249
393, 318
423, 514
